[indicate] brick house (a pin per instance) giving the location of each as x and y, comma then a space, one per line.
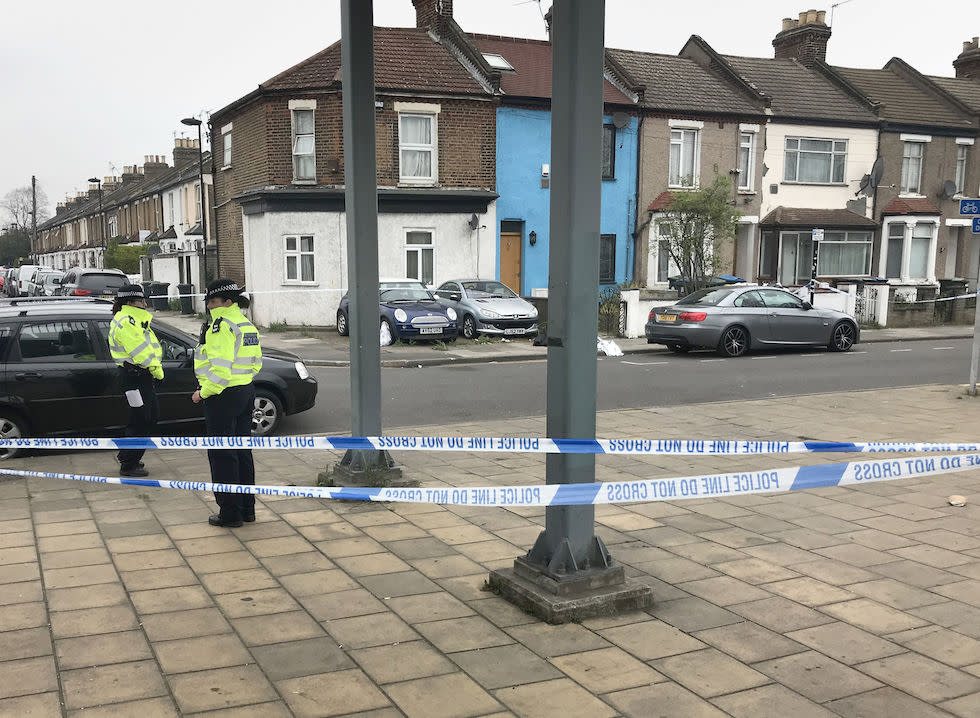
820, 141
924, 144
693, 126
279, 171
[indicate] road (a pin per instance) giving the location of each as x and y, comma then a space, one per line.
441, 395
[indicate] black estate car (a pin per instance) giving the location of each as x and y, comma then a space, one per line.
57, 378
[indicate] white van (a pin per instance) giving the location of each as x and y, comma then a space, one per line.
24, 274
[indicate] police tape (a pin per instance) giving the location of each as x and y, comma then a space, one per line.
853, 473
494, 444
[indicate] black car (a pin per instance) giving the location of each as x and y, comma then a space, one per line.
91, 282
57, 377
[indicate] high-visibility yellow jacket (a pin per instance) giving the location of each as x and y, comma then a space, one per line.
231, 354
131, 341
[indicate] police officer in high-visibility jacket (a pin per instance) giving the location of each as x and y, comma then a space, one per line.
134, 347
225, 363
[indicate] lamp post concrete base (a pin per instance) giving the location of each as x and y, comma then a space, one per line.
567, 597
361, 467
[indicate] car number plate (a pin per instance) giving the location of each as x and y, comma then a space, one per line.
667, 318
430, 330
514, 330
107, 296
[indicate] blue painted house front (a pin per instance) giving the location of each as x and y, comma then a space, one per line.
524, 169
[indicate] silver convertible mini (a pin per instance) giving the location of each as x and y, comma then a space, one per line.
485, 306
734, 319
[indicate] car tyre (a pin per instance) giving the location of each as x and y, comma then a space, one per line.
391, 330
842, 338
469, 327
12, 426
679, 348
342, 328
734, 342
267, 413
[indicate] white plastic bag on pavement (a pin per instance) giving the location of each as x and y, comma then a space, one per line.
608, 347
385, 334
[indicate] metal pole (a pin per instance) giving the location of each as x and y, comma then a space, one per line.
975, 355
361, 206
568, 542
34, 251
200, 174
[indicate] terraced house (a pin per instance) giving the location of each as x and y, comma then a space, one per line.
279, 171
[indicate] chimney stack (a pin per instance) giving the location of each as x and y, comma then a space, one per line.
185, 151
804, 38
60, 209
968, 63
432, 14
154, 165
130, 174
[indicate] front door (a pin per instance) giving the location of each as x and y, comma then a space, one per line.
510, 260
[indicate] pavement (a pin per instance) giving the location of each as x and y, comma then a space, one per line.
324, 347
844, 601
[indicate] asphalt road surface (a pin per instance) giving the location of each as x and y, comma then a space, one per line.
442, 395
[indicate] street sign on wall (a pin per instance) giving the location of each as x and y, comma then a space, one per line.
976, 225
969, 206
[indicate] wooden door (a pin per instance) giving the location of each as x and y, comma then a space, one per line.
510, 260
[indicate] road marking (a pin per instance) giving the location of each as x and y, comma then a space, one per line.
705, 361
939, 349
812, 354
899, 350
771, 356
645, 363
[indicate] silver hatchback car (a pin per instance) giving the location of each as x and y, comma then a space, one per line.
735, 319
486, 306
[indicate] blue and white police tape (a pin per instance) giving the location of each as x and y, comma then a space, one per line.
722, 485
496, 444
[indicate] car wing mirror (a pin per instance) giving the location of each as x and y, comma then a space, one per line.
455, 296
807, 305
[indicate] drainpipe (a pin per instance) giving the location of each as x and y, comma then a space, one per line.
636, 195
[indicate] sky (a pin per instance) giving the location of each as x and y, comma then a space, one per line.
92, 86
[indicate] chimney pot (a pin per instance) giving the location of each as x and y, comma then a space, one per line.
788, 22
802, 19
822, 17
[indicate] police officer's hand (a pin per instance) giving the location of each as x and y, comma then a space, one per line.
196, 397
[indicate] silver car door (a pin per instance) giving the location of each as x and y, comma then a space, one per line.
750, 310
790, 322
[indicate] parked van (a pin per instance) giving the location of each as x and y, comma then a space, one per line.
24, 274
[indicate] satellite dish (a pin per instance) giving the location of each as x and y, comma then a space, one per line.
877, 170
620, 120
948, 190
863, 187
473, 222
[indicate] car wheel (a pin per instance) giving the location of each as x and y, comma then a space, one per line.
842, 339
469, 327
391, 330
267, 413
679, 348
342, 328
734, 342
12, 426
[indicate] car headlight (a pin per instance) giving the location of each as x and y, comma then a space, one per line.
489, 314
451, 313
533, 313
301, 369
400, 315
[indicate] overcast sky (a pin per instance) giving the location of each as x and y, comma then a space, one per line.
93, 83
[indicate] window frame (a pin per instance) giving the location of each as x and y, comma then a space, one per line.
746, 179
905, 187
799, 151
432, 147
607, 240
696, 159
226, 145
293, 112
609, 171
16, 355
909, 224
962, 161
418, 249
298, 253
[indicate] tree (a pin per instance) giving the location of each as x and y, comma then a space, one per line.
693, 227
15, 246
18, 206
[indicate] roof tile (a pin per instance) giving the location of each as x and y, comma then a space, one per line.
806, 217
903, 101
911, 205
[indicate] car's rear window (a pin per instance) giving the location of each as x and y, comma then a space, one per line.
709, 296
101, 282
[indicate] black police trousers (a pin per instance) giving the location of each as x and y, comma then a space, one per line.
230, 414
142, 419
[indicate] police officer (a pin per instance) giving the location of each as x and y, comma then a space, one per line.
225, 363
134, 347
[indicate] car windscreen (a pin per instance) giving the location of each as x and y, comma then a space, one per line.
709, 296
403, 291
481, 290
98, 282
